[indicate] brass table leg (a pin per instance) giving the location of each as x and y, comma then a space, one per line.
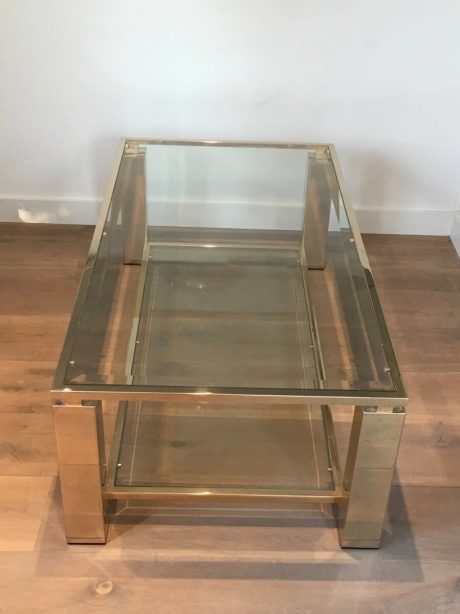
79, 443
134, 210
374, 443
321, 191
128, 207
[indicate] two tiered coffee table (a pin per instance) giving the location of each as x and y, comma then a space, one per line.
226, 308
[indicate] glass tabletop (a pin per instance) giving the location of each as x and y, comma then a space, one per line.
228, 267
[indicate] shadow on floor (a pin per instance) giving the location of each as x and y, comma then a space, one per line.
237, 548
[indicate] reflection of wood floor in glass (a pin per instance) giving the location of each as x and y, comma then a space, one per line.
236, 317
169, 564
212, 447
230, 317
351, 346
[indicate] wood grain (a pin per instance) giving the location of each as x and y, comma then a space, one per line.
195, 565
23, 502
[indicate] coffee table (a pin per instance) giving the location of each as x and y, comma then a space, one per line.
226, 312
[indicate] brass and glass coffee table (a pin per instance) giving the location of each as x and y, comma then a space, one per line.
226, 309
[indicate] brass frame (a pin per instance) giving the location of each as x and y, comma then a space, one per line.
81, 470
376, 429
111, 491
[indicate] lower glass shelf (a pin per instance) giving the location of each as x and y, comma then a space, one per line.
249, 450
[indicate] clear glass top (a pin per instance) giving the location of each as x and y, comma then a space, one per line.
227, 267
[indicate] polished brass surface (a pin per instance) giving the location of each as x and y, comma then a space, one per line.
109, 392
78, 437
333, 452
128, 203
227, 348
319, 196
373, 448
178, 496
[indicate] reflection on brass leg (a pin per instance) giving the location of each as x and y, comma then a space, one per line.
372, 453
76, 428
319, 195
129, 206
134, 214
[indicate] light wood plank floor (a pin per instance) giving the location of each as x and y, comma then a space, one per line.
165, 566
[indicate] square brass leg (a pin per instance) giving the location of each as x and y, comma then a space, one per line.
372, 453
129, 204
77, 429
321, 190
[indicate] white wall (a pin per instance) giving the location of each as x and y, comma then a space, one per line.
381, 79
226, 187
455, 232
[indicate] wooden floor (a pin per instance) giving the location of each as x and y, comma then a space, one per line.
166, 566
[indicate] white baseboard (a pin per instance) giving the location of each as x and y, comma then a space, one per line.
49, 210
455, 232
382, 221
